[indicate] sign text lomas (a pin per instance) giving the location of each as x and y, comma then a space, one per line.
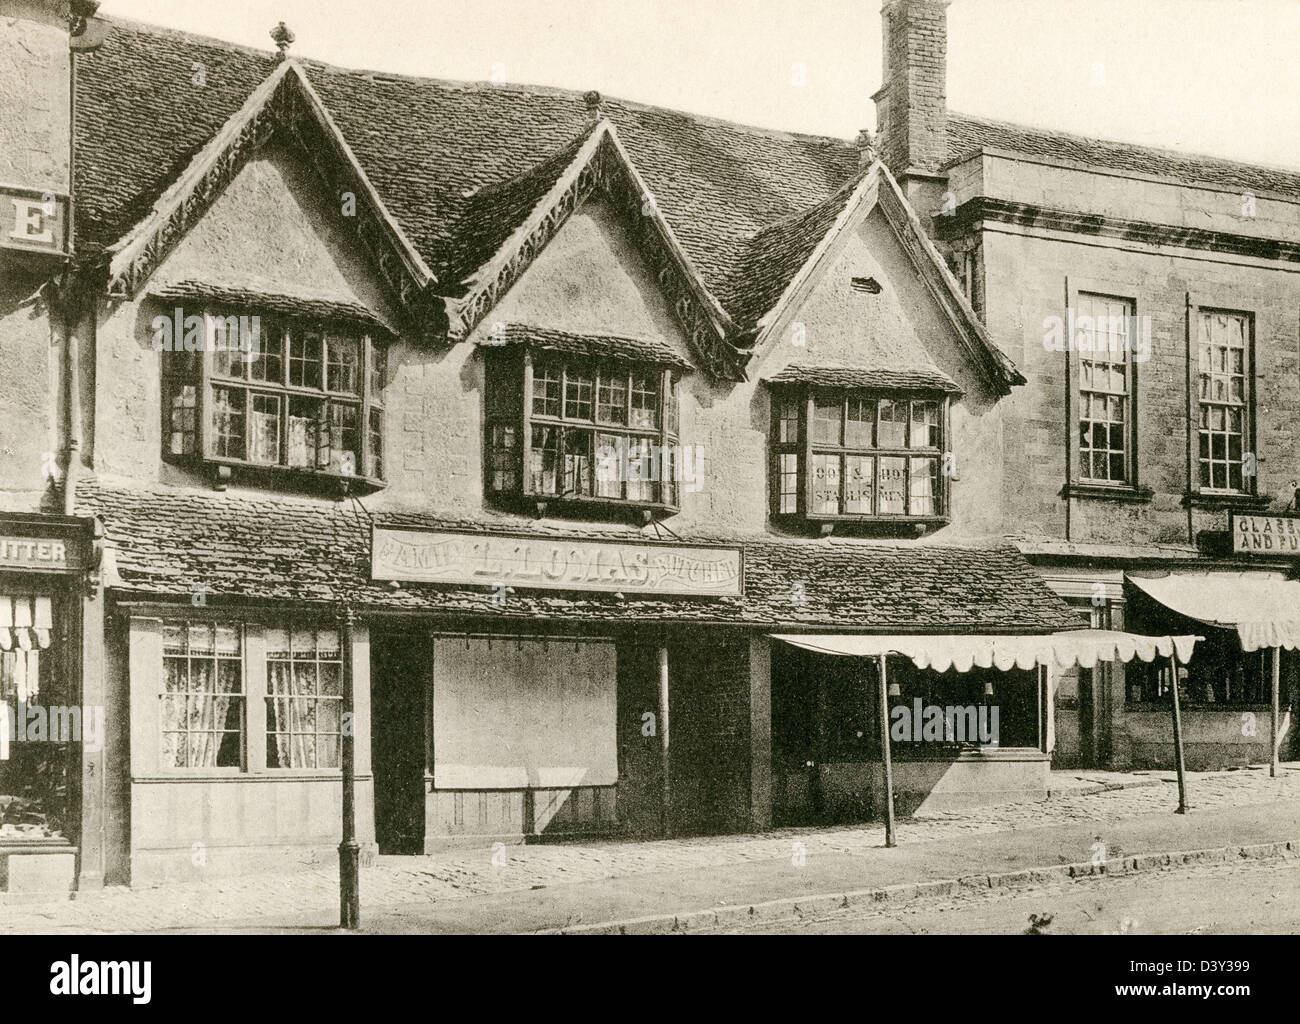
555, 564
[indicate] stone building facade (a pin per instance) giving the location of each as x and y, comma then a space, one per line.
541, 449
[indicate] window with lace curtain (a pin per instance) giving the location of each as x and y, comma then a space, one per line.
304, 698
203, 696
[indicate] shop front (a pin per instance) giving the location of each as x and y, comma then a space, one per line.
52, 727
1239, 690
929, 722
492, 730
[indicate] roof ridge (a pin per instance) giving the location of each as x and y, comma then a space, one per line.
533, 88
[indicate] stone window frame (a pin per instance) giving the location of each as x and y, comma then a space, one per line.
803, 448
193, 379
1128, 399
1249, 482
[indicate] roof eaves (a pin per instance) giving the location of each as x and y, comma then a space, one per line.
135, 256
934, 271
707, 324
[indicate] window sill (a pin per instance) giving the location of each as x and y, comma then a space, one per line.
1108, 492
581, 508
222, 470
1214, 500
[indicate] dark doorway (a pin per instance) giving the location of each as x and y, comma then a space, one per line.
401, 665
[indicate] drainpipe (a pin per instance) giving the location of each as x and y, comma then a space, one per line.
72, 374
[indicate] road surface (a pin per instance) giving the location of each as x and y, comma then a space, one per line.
1244, 897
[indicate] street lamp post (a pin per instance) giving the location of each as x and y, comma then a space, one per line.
349, 849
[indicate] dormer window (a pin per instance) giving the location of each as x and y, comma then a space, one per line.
581, 428
859, 454
296, 395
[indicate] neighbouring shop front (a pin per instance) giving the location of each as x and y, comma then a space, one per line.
51, 726
1241, 593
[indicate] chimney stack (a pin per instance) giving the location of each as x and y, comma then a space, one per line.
912, 103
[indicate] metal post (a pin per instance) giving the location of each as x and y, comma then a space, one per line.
1178, 736
883, 693
1273, 711
349, 849
663, 742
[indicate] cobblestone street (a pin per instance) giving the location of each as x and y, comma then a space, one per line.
472, 872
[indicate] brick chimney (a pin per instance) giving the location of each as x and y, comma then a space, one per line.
912, 104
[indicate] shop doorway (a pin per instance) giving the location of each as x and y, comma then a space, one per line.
401, 665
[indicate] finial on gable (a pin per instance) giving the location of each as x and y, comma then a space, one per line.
866, 143
282, 36
593, 100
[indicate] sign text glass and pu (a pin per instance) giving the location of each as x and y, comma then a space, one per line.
1268, 535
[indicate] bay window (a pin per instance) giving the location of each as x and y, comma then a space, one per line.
305, 396
858, 455
581, 429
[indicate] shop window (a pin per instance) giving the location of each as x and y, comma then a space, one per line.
588, 432
39, 723
1225, 430
304, 698
291, 395
1218, 676
852, 455
203, 696
1106, 395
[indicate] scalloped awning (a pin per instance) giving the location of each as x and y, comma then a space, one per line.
1263, 607
1082, 647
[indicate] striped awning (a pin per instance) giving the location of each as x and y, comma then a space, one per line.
26, 623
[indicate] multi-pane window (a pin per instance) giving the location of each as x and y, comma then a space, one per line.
1225, 400
590, 431
203, 696
1106, 392
304, 698
864, 456
303, 397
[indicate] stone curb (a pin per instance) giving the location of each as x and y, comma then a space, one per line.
796, 907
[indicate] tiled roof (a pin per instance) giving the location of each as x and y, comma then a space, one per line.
272, 302
968, 134
920, 378
772, 257
172, 543
590, 346
449, 159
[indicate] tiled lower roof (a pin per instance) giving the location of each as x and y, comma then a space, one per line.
920, 378
588, 346
172, 543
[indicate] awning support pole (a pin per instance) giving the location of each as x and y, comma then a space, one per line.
663, 743
883, 692
1178, 735
1273, 711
